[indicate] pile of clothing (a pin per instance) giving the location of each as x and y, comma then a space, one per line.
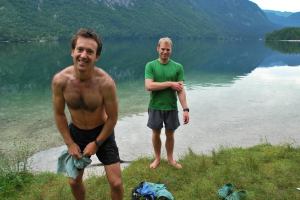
151, 191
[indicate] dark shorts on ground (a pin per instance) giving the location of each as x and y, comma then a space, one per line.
107, 153
159, 118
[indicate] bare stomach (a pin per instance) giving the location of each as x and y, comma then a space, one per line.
87, 120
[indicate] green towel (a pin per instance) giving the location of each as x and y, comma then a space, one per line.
70, 165
227, 193
226, 190
164, 193
239, 195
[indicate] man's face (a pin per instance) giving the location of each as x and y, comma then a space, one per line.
84, 53
164, 51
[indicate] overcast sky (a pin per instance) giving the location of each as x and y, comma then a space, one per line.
279, 5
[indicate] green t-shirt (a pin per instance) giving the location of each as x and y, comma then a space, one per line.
172, 71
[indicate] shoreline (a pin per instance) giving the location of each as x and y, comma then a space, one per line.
135, 142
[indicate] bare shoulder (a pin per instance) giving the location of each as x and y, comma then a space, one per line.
60, 78
104, 79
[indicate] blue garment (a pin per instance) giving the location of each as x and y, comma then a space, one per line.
146, 190
154, 190
70, 165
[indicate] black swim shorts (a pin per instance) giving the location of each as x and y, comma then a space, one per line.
107, 153
159, 117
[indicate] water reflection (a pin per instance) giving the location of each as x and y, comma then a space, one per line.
284, 46
31, 66
26, 71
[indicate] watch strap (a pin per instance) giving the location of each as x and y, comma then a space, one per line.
186, 110
98, 142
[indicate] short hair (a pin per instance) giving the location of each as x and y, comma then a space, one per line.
87, 33
165, 39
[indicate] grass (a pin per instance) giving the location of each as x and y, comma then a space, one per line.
264, 171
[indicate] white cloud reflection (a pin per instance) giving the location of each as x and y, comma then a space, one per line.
278, 73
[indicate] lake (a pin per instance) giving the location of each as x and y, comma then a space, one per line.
240, 93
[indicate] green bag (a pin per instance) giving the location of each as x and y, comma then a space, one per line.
240, 195
226, 190
227, 193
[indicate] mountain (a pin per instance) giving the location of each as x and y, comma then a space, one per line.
285, 19
53, 20
294, 19
277, 13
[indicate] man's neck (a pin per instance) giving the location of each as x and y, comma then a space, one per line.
164, 61
83, 75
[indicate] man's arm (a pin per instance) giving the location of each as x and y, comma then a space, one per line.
60, 117
153, 86
111, 109
182, 99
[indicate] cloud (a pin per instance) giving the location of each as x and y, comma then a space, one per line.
279, 5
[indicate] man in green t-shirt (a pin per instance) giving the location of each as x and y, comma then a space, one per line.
164, 79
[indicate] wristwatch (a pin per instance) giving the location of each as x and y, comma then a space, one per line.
186, 110
98, 143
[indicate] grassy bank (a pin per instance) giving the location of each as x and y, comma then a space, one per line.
264, 171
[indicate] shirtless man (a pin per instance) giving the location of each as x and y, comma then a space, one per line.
90, 95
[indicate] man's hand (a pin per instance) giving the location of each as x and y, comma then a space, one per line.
177, 86
186, 117
74, 150
90, 149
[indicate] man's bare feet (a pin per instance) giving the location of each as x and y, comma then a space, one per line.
154, 164
175, 164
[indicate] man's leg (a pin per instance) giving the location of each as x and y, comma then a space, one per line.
77, 186
156, 141
113, 174
170, 141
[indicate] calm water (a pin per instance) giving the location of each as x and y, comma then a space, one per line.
239, 93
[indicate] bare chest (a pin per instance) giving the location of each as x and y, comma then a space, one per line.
83, 96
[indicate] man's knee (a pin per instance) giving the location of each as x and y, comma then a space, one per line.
116, 184
75, 182
170, 134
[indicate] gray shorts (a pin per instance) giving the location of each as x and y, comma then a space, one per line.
159, 117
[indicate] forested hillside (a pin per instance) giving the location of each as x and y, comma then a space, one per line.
284, 34
51, 20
